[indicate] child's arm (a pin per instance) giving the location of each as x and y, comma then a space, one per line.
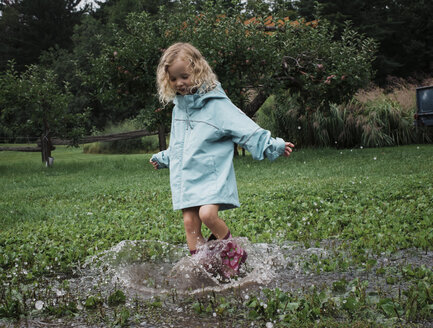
161, 160
246, 133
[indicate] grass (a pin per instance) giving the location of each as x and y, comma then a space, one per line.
372, 201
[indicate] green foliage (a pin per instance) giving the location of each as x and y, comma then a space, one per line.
377, 122
409, 53
92, 302
54, 220
29, 27
124, 73
326, 70
32, 103
244, 56
75, 66
116, 298
250, 60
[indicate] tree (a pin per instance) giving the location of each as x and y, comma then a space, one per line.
256, 57
75, 66
115, 11
253, 57
401, 27
28, 27
32, 103
124, 73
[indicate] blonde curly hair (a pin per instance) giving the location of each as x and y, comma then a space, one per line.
203, 78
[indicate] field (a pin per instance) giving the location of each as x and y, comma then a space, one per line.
368, 211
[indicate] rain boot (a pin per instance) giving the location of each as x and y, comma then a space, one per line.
232, 256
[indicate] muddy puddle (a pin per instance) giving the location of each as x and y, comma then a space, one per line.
151, 269
156, 270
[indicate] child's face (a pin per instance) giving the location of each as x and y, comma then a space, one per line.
180, 77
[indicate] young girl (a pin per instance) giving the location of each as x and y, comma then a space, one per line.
205, 125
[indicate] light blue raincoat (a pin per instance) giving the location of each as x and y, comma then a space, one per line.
200, 156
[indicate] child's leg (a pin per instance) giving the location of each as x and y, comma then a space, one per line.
208, 214
192, 224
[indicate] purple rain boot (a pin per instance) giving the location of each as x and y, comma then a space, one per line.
232, 257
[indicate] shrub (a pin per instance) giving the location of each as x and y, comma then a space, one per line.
373, 118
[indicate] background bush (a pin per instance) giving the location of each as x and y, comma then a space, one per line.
372, 118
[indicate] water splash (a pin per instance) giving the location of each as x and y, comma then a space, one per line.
154, 268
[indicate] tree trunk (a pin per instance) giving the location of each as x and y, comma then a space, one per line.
161, 137
255, 105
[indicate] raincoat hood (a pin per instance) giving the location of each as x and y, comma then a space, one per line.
199, 99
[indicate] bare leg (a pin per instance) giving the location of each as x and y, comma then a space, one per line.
192, 224
208, 214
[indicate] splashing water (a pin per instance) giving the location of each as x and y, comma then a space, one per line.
154, 268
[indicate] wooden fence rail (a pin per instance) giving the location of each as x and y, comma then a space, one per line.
107, 137
84, 140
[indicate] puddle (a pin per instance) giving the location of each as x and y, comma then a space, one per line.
150, 268
157, 270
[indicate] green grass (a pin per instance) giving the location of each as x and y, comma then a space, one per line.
371, 200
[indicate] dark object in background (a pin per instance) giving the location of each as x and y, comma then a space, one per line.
424, 103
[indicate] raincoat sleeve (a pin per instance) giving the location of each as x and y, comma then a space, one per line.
162, 158
246, 133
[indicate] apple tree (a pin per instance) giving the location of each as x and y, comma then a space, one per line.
33, 104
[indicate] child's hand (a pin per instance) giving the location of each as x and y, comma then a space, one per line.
155, 164
288, 149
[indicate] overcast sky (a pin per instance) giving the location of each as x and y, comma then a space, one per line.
83, 2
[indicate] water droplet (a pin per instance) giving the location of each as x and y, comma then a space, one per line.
39, 305
60, 292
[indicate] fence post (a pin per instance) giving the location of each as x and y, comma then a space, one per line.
46, 150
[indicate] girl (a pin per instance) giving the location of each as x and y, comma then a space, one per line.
205, 124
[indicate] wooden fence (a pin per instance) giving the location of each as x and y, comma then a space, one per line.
84, 140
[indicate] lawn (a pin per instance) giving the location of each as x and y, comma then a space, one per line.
365, 204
